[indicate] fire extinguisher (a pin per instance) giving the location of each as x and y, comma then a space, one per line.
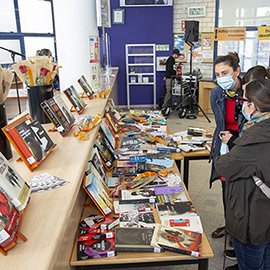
179, 72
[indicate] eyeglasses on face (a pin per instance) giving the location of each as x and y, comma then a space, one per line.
241, 100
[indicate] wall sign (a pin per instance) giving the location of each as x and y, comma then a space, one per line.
118, 16
227, 33
264, 33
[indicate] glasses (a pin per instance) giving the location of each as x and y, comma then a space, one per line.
241, 100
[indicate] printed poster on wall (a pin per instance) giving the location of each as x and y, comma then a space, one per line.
207, 41
94, 49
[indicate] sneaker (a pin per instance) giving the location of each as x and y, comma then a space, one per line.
230, 254
219, 232
232, 267
165, 111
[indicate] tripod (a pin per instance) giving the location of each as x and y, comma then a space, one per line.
13, 53
189, 96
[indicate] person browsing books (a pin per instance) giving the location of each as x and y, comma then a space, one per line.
247, 204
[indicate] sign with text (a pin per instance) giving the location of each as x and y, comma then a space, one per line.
227, 33
264, 33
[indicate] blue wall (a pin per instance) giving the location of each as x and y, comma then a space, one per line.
142, 25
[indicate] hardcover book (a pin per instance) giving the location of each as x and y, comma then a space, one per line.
176, 209
182, 241
134, 239
74, 99
96, 189
30, 140
86, 87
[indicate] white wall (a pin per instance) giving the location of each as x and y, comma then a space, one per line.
206, 25
75, 21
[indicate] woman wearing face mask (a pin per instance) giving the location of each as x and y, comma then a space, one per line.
248, 202
228, 119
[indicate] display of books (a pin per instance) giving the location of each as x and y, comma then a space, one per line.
176, 209
97, 190
30, 140
12, 185
86, 87
58, 113
74, 98
134, 239
182, 241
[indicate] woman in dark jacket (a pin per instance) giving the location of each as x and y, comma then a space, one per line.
247, 207
224, 105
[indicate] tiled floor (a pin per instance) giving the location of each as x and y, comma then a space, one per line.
208, 202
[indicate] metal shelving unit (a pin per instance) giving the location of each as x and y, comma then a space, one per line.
141, 67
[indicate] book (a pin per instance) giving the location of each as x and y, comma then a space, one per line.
97, 190
97, 222
30, 140
138, 196
125, 163
86, 87
74, 99
136, 219
125, 208
113, 182
176, 209
10, 219
190, 223
112, 121
126, 171
108, 132
134, 239
146, 167
14, 187
182, 241
97, 162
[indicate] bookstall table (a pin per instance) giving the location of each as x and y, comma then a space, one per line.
143, 259
51, 220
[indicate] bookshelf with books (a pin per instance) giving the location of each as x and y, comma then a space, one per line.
49, 220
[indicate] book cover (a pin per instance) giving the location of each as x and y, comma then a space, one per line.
14, 187
94, 234
136, 219
182, 241
42, 136
134, 239
9, 221
31, 141
112, 121
190, 223
125, 208
126, 171
64, 109
53, 118
96, 189
74, 99
113, 182
125, 163
23, 146
140, 196
176, 208
108, 132
96, 161
146, 167
86, 86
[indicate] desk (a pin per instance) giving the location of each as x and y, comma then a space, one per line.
51, 218
143, 259
205, 87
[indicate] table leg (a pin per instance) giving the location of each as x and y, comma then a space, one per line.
203, 264
178, 164
186, 171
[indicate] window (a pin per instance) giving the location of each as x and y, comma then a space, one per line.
25, 27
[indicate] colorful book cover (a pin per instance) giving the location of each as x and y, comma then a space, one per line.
14, 187
182, 241
113, 122
140, 196
127, 171
96, 161
146, 167
74, 99
106, 129
125, 208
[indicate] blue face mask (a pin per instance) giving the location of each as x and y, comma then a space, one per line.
247, 116
226, 83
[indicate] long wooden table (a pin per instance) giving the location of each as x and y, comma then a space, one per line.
51, 218
144, 259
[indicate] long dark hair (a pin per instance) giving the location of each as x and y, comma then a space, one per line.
258, 92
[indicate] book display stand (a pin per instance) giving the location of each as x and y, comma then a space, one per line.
31, 149
87, 89
77, 103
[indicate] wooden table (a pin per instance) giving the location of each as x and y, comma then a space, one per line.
51, 218
143, 259
205, 87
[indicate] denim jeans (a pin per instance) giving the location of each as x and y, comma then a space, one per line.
252, 257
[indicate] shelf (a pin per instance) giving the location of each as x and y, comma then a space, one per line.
141, 54
141, 83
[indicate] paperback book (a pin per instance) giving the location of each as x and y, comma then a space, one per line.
95, 159
125, 208
146, 167
134, 239
136, 219
86, 87
139, 196
108, 132
182, 241
124, 171
74, 98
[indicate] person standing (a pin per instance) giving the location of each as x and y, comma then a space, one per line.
169, 73
246, 170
